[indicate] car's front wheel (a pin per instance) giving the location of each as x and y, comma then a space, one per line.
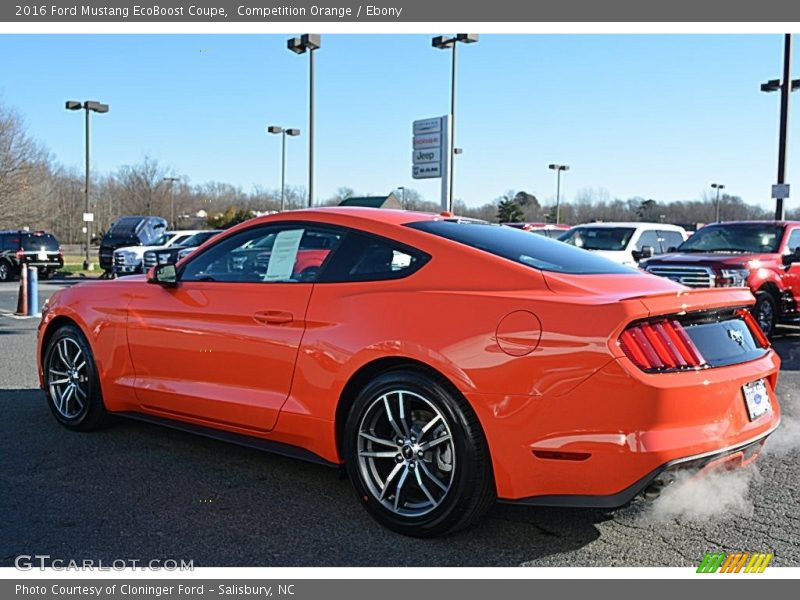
71, 382
765, 312
417, 456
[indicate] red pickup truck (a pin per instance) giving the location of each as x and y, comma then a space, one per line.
761, 255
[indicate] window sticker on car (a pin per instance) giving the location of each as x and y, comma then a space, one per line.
284, 255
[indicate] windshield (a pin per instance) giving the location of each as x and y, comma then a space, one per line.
520, 246
750, 238
39, 242
599, 238
162, 240
198, 239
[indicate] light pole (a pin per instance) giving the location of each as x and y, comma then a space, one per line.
718, 187
403, 195
786, 86
558, 169
171, 181
284, 132
309, 42
88, 106
443, 42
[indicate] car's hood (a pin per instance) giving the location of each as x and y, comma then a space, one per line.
140, 249
696, 258
622, 257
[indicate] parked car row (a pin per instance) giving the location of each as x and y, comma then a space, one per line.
763, 256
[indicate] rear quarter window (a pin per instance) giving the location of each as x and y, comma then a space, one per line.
535, 251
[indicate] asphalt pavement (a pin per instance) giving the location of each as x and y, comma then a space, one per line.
138, 491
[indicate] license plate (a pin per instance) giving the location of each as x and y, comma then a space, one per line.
41, 256
756, 398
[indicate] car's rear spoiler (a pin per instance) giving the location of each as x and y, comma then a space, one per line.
691, 300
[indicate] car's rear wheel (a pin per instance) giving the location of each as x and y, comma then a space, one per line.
5, 271
765, 312
71, 383
417, 456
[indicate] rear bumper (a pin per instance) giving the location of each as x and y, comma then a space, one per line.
609, 437
739, 455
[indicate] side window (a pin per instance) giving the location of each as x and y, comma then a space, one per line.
670, 239
794, 240
649, 238
369, 258
290, 253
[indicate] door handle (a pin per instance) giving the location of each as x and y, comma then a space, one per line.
273, 317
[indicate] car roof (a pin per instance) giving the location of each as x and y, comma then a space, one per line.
377, 215
753, 222
636, 224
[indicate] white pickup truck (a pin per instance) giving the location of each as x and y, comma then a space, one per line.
129, 260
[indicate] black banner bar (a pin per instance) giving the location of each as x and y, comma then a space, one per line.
383, 11
733, 588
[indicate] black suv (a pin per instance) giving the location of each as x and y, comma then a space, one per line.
129, 231
32, 248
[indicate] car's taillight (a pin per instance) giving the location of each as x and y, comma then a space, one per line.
754, 327
660, 344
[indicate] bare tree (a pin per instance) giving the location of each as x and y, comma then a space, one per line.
24, 170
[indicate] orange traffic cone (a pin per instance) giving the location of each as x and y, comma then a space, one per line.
22, 300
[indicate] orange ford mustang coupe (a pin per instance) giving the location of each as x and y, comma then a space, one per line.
445, 363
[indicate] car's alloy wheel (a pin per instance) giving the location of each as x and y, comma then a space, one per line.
71, 383
5, 271
416, 454
764, 312
405, 453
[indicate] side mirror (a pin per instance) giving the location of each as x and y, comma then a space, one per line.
672, 249
794, 257
166, 275
645, 252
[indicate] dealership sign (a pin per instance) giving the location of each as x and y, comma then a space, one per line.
429, 143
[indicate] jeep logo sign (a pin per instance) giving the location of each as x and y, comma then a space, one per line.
427, 155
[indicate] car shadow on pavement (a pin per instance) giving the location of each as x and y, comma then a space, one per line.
136, 490
786, 341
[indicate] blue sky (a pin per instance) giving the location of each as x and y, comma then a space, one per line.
657, 116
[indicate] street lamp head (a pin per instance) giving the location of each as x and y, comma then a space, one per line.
467, 38
718, 186
556, 167
97, 107
311, 41
73, 105
795, 84
308, 41
296, 45
274, 129
773, 85
292, 132
442, 42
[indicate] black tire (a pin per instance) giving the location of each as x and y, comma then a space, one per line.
6, 272
765, 312
83, 409
470, 480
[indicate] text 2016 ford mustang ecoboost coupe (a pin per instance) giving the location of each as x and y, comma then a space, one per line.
445, 363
